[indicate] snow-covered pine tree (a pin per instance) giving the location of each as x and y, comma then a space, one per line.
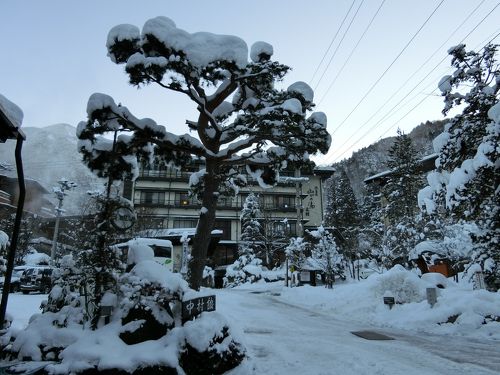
372, 228
245, 122
251, 230
403, 183
400, 193
465, 185
326, 255
247, 267
342, 213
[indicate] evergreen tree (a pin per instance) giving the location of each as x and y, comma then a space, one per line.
251, 230
466, 184
342, 213
342, 208
239, 109
326, 255
404, 181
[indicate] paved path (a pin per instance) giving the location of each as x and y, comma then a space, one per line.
285, 339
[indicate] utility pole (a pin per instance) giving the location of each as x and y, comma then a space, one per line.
60, 192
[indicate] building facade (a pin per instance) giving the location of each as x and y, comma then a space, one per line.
162, 200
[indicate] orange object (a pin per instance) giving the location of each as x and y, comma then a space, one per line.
439, 268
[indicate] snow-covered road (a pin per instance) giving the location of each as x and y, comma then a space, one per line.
285, 339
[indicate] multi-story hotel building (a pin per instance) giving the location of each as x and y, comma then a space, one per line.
161, 198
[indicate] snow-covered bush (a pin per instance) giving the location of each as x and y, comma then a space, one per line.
143, 333
403, 285
247, 268
295, 253
67, 297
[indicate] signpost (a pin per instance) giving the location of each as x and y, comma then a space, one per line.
389, 301
478, 281
431, 296
194, 307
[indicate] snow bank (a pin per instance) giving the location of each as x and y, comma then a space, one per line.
458, 311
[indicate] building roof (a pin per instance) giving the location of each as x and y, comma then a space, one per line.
426, 164
10, 120
324, 171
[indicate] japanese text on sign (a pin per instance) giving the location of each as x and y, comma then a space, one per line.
195, 307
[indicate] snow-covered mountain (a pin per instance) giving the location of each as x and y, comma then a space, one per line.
49, 154
373, 159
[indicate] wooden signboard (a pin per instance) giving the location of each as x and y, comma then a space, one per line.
194, 307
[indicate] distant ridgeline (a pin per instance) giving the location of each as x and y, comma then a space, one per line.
373, 159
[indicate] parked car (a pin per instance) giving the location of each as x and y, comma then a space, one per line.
37, 279
15, 281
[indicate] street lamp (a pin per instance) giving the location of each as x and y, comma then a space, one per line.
60, 192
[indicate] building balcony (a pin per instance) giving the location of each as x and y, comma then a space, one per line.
221, 205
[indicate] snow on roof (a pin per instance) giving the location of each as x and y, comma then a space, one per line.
173, 232
12, 111
37, 258
432, 246
425, 164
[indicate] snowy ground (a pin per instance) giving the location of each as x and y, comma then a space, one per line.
307, 330
286, 336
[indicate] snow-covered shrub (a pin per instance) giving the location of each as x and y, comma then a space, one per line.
143, 334
404, 286
247, 268
295, 253
66, 298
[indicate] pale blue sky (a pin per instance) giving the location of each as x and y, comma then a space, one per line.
54, 57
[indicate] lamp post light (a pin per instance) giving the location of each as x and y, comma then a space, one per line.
60, 192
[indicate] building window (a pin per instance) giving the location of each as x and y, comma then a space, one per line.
152, 197
182, 198
185, 223
225, 226
284, 201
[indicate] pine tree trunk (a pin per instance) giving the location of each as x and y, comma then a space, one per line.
204, 229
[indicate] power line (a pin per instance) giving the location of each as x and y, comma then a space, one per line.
331, 43
352, 51
388, 114
389, 67
393, 125
414, 73
439, 49
411, 110
338, 46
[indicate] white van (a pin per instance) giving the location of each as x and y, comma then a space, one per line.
163, 250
